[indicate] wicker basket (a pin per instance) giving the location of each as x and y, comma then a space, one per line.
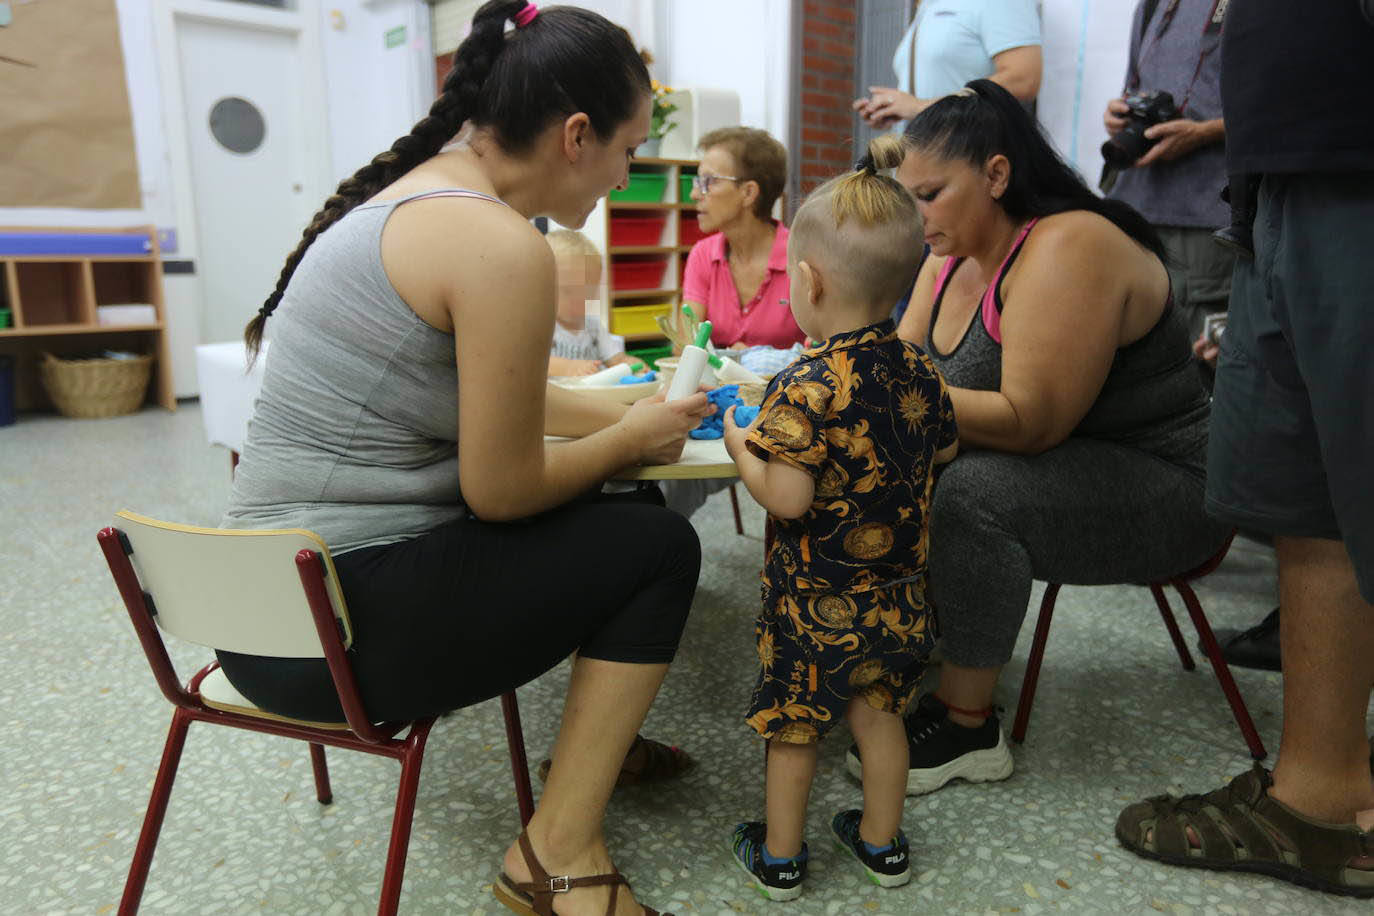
96, 387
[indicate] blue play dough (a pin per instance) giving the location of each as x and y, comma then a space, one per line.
633, 379
724, 397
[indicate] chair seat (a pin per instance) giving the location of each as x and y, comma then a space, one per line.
217, 693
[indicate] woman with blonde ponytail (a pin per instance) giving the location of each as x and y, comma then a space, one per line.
841, 455
403, 416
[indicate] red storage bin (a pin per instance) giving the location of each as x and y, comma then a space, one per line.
637, 272
689, 233
636, 229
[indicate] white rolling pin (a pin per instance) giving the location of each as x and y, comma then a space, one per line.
687, 378
609, 376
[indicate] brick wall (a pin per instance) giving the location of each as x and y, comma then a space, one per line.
828, 36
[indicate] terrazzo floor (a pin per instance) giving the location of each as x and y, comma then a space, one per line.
1115, 720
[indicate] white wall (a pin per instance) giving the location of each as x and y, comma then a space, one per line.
1086, 46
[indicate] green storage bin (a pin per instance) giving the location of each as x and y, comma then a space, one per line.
650, 355
645, 187
687, 188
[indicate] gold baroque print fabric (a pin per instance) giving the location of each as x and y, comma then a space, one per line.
844, 610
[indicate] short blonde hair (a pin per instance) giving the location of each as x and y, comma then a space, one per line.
570, 241
864, 227
761, 159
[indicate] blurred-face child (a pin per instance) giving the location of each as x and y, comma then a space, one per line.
579, 279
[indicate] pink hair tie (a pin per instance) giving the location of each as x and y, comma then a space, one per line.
526, 16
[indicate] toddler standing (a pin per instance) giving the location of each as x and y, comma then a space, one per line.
841, 456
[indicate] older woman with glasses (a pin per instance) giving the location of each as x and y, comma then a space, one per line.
737, 275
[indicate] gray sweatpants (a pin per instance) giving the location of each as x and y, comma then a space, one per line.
1086, 512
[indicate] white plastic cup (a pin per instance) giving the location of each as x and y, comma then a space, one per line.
687, 378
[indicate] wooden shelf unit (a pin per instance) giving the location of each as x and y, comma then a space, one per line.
675, 207
52, 301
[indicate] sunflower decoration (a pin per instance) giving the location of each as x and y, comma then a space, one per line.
913, 406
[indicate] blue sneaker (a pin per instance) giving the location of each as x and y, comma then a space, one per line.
886, 867
782, 881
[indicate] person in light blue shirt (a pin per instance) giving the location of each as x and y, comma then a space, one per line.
951, 42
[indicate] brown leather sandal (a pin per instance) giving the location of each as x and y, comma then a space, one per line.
1240, 828
535, 898
658, 762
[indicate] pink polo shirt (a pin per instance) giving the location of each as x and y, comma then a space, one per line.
764, 319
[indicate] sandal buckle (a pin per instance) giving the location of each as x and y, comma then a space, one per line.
560, 885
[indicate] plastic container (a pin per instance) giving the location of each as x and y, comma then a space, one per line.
638, 319
637, 272
644, 188
637, 229
650, 355
6, 390
686, 188
4, 318
688, 232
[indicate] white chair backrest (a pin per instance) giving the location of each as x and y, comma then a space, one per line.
229, 589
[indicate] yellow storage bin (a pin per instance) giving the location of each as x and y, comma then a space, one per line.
638, 319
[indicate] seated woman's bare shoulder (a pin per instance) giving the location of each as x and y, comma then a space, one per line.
439, 250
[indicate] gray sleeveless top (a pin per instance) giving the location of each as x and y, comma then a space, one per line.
1152, 398
355, 432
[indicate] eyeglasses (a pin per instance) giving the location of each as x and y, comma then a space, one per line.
702, 181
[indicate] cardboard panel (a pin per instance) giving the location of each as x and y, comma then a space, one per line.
65, 124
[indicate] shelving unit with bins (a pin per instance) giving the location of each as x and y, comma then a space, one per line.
650, 228
52, 297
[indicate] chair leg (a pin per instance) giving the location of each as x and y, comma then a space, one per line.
411, 760
1037, 654
1223, 672
734, 505
520, 767
157, 810
321, 769
1171, 625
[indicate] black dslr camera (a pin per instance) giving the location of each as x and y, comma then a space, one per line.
1145, 109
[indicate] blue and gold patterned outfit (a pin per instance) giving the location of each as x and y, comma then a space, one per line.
844, 586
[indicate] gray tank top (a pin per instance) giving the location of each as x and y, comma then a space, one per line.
1152, 398
355, 432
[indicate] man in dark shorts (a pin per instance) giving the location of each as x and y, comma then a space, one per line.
1292, 444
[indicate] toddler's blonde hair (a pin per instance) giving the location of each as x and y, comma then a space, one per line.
863, 228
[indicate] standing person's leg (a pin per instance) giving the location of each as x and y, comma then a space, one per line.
1086, 513
1200, 278
1290, 452
791, 769
881, 738
1328, 648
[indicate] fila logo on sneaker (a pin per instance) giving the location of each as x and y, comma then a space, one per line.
893, 860
789, 875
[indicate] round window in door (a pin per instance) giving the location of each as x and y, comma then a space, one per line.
237, 125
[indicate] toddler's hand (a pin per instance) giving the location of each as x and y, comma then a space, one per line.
586, 366
735, 435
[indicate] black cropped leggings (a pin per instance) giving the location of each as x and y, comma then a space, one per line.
473, 609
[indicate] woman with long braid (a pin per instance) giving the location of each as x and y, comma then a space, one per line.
403, 415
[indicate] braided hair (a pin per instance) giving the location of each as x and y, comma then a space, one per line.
559, 62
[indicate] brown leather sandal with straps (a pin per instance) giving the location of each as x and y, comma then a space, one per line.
535, 898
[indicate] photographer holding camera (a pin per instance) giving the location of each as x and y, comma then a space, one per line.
1166, 153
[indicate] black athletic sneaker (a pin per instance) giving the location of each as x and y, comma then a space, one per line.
776, 882
941, 750
889, 866
1256, 647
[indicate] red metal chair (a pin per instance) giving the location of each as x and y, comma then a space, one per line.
241, 591
1204, 631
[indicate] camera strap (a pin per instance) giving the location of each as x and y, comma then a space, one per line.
1210, 26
